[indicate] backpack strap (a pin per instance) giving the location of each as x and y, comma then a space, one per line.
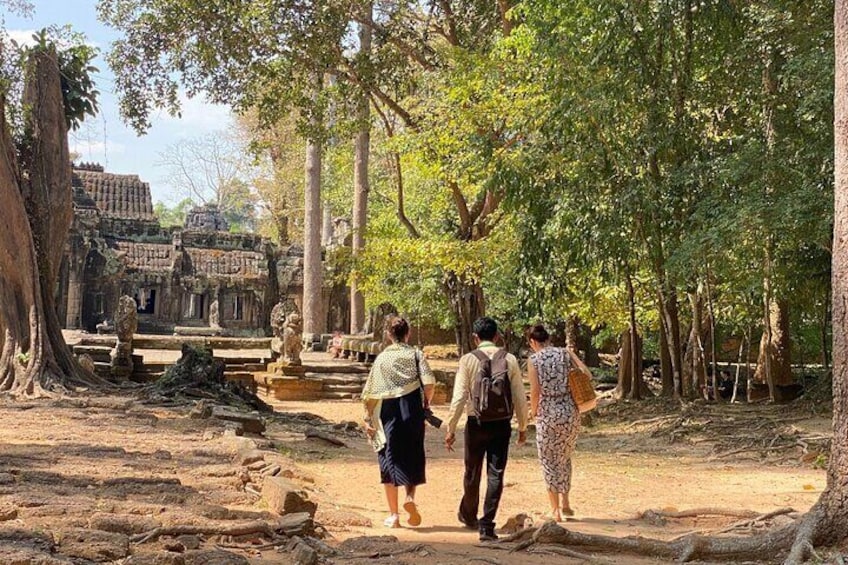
499, 354
480, 355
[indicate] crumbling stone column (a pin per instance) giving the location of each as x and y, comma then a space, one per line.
126, 324
73, 317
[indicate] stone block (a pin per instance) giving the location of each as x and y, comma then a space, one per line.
94, 545
251, 422
284, 497
122, 523
214, 557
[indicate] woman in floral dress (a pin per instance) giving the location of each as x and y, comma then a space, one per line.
557, 417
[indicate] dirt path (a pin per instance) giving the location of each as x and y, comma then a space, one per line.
615, 477
67, 467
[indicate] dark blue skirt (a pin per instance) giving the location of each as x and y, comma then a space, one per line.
402, 460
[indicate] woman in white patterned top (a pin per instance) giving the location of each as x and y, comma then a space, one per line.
557, 417
398, 389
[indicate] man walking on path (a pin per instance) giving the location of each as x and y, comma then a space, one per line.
480, 390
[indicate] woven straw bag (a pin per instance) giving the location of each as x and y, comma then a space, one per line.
582, 390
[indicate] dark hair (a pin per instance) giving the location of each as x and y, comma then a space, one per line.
485, 328
538, 333
398, 328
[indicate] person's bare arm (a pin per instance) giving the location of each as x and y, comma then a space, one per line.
428, 393
533, 377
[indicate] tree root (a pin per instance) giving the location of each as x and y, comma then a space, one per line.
520, 535
243, 529
760, 518
658, 517
802, 545
686, 548
567, 553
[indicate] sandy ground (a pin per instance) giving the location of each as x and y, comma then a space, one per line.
64, 464
614, 479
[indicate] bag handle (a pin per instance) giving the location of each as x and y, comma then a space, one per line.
420, 380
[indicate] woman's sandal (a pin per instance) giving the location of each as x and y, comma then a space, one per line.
393, 521
414, 516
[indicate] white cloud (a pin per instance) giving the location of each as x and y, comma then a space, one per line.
198, 114
22, 36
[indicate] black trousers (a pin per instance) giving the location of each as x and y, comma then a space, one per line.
489, 440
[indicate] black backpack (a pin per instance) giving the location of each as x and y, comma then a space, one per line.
491, 395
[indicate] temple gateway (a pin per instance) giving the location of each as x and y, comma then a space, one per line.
196, 279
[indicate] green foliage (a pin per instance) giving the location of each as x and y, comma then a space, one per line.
79, 93
173, 216
679, 145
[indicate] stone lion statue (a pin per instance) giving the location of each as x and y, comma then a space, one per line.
287, 326
126, 318
292, 338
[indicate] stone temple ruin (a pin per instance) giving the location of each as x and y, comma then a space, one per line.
126, 276
199, 279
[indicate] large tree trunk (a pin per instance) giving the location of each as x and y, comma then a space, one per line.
694, 363
774, 364
637, 383
572, 332
666, 370
313, 277
36, 216
467, 304
627, 362
671, 322
361, 187
827, 522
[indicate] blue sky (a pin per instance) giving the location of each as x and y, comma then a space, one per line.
106, 139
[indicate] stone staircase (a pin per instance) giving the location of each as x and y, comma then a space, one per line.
100, 355
237, 369
335, 380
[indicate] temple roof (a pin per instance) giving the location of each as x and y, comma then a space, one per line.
117, 196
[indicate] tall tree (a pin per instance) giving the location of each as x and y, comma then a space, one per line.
362, 150
35, 177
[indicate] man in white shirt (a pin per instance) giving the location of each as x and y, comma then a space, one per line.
487, 440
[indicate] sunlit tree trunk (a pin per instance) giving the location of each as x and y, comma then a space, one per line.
466, 302
694, 363
313, 276
774, 364
34, 222
362, 149
827, 520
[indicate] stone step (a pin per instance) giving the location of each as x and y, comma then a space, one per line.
103, 369
342, 380
92, 349
353, 389
247, 367
340, 395
243, 360
247, 375
150, 341
336, 368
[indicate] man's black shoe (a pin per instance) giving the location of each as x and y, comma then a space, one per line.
488, 535
468, 524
